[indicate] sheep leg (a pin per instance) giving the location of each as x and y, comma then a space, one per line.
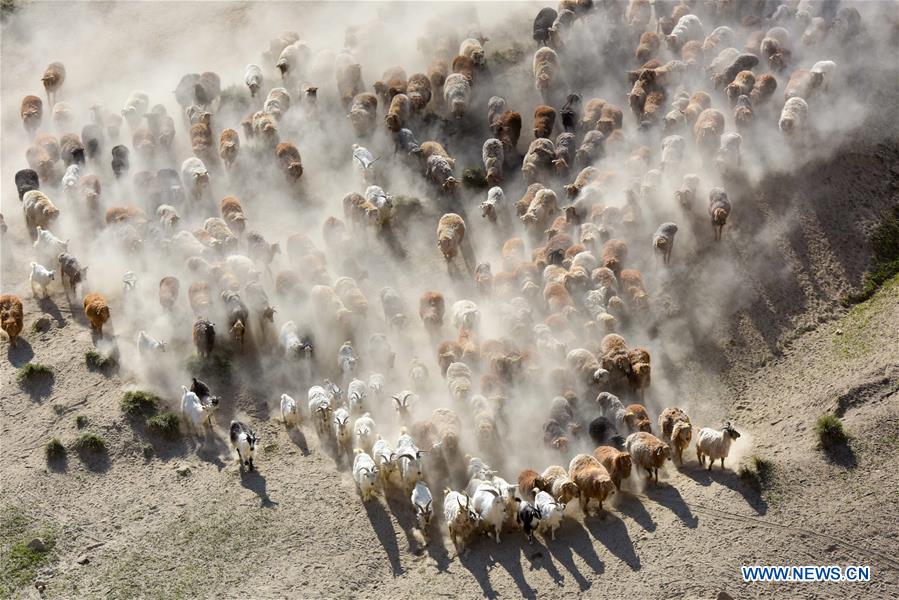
33, 289
496, 533
239, 457
722, 463
251, 463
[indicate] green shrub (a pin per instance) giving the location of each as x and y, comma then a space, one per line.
830, 431
885, 245
20, 562
32, 371
165, 424
758, 474
138, 402
81, 421
90, 442
97, 361
54, 449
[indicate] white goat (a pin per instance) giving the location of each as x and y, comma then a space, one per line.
355, 393
466, 315
48, 244
320, 409
551, 511
385, 458
147, 343
290, 410
715, 444
364, 430
489, 504
342, 433
422, 502
195, 413
40, 278
365, 474
408, 457
460, 518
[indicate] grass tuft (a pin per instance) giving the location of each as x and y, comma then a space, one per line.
32, 371
90, 442
137, 403
885, 246
81, 421
98, 362
19, 563
166, 424
54, 449
758, 474
830, 431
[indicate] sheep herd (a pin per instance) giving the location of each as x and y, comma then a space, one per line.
542, 235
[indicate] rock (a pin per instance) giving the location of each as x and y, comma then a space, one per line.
42, 323
723, 596
182, 470
40, 585
82, 560
38, 545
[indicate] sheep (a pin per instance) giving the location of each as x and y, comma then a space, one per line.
405, 140
418, 89
440, 171
40, 278
699, 102
663, 240
194, 178
676, 430
39, 211
277, 103
507, 129
490, 507
538, 162
292, 60
244, 442
673, 147
559, 484
168, 292
613, 410
592, 480
636, 416
422, 502
11, 315
617, 463
32, 113
647, 452
450, 235
743, 84
399, 112
546, 72
26, 180
457, 94
253, 78
714, 444
688, 28
728, 155
707, 131
448, 429
719, 210
289, 160
493, 156
363, 113
528, 480
823, 71
408, 457
792, 117
743, 62
460, 517
648, 46
53, 78
97, 311
195, 412
148, 344
614, 253
586, 366
764, 88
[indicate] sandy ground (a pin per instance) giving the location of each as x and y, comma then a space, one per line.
296, 527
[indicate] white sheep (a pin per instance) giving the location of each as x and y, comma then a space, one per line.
715, 444
612, 409
48, 244
494, 205
347, 359
551, 511
364, 164
290, 410
457, 93
422, 502
826, 69
320, 409
365, 474
148, 344
194, 412
194, 177
793, 115
365, 432
466, 315
253, 78
40, 278
460, 518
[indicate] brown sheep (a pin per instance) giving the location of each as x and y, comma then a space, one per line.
592, 479
40, 161
763, 89
437, 73
617, 463
232, 213
392, 82
465, 67
200, 296
32, 113
707, 131
363, 113
289, 160
591, 113
640, 376
742, 84
168, 292
450, 234
647, 452
11, 315
399, 112
614, 253
120, 215
610, 119
632, 287
349, 83
544, 121
699, 102
529, 479
97, 311
229, 146
419, 91
53, 78
676, 430
802, 83
648, 47
39, 211
448, 352
559, 484
508, 130
557, 298
431, 309
691, 53
448, 428
636, 416
512, 253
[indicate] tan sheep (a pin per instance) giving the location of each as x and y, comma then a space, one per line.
97, 311
617, 463
11, 316
592, 479
450, 234
559, 484
647, 452
676, 430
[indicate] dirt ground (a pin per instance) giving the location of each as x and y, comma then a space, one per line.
160, 519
